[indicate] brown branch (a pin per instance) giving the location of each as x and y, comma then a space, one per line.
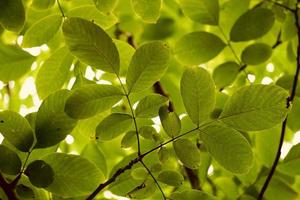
7, 188
289, 101
193, 178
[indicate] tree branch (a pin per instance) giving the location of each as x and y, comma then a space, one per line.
7, 188
289, 101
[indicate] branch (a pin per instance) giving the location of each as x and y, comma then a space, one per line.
7, 188
289, 102
193, 178
61, 10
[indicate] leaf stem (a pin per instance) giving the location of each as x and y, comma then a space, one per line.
60, 8
289, 101
156, 182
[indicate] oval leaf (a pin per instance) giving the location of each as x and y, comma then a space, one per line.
198, 94
170, 177
204, 11
113, 125
148, 10
192, 195
187, 152
54, 72
91, 45
105, 6
169, 121
10, 163
40, 173
256, 54
16, 130
12, 15
225, 74
255, 107
148, 65
198, 47
251, 25
148, 107
42, 31
228, 147
52, 123
74, 176
91, 99
14, 62
128, 140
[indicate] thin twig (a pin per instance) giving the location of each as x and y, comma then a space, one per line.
289, 101
61, 10
156, 182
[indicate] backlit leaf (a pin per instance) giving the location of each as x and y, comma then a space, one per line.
170, 177
148, 10
148, 106
12, 14
10, 163
256, 53
225, 74
40, 173
105, 5
169, 121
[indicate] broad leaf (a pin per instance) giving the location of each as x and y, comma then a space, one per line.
170, 177
42, 31
10, 163
192, 195
198, 47
113, 125
74, 175
54, 72
251, 25
290, 164
225, 74
93, 153
204, 11
230, 149
40, 173
105, 6
91, 44
89, 12
256, 53
12, 15
14, 62
169, 121
149, 11
187, 152
128, 139
198, 94
52, 123
163, 154
148, 106
16, 130
42, 4
91, 99
255, 107
147, 66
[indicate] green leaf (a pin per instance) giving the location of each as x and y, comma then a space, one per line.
40, 173
105, 6
14, 62
128, 140
12, 15
204, 11
42, 4
91, 99
198, 47
252, 25
93, 153
16, 130
256, 53
198, 94
54, 72
192, 195
163, 154
42, 31
255, 107
89, 12
286, 82
148, 106
52, 123
91, 45
113, 125
147, 132
147, 66
149, 11
169, 121
10, 163
170, 177
139, 173
24, 192
225, 74
74, 176
290, 164
187, 152
230, 149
